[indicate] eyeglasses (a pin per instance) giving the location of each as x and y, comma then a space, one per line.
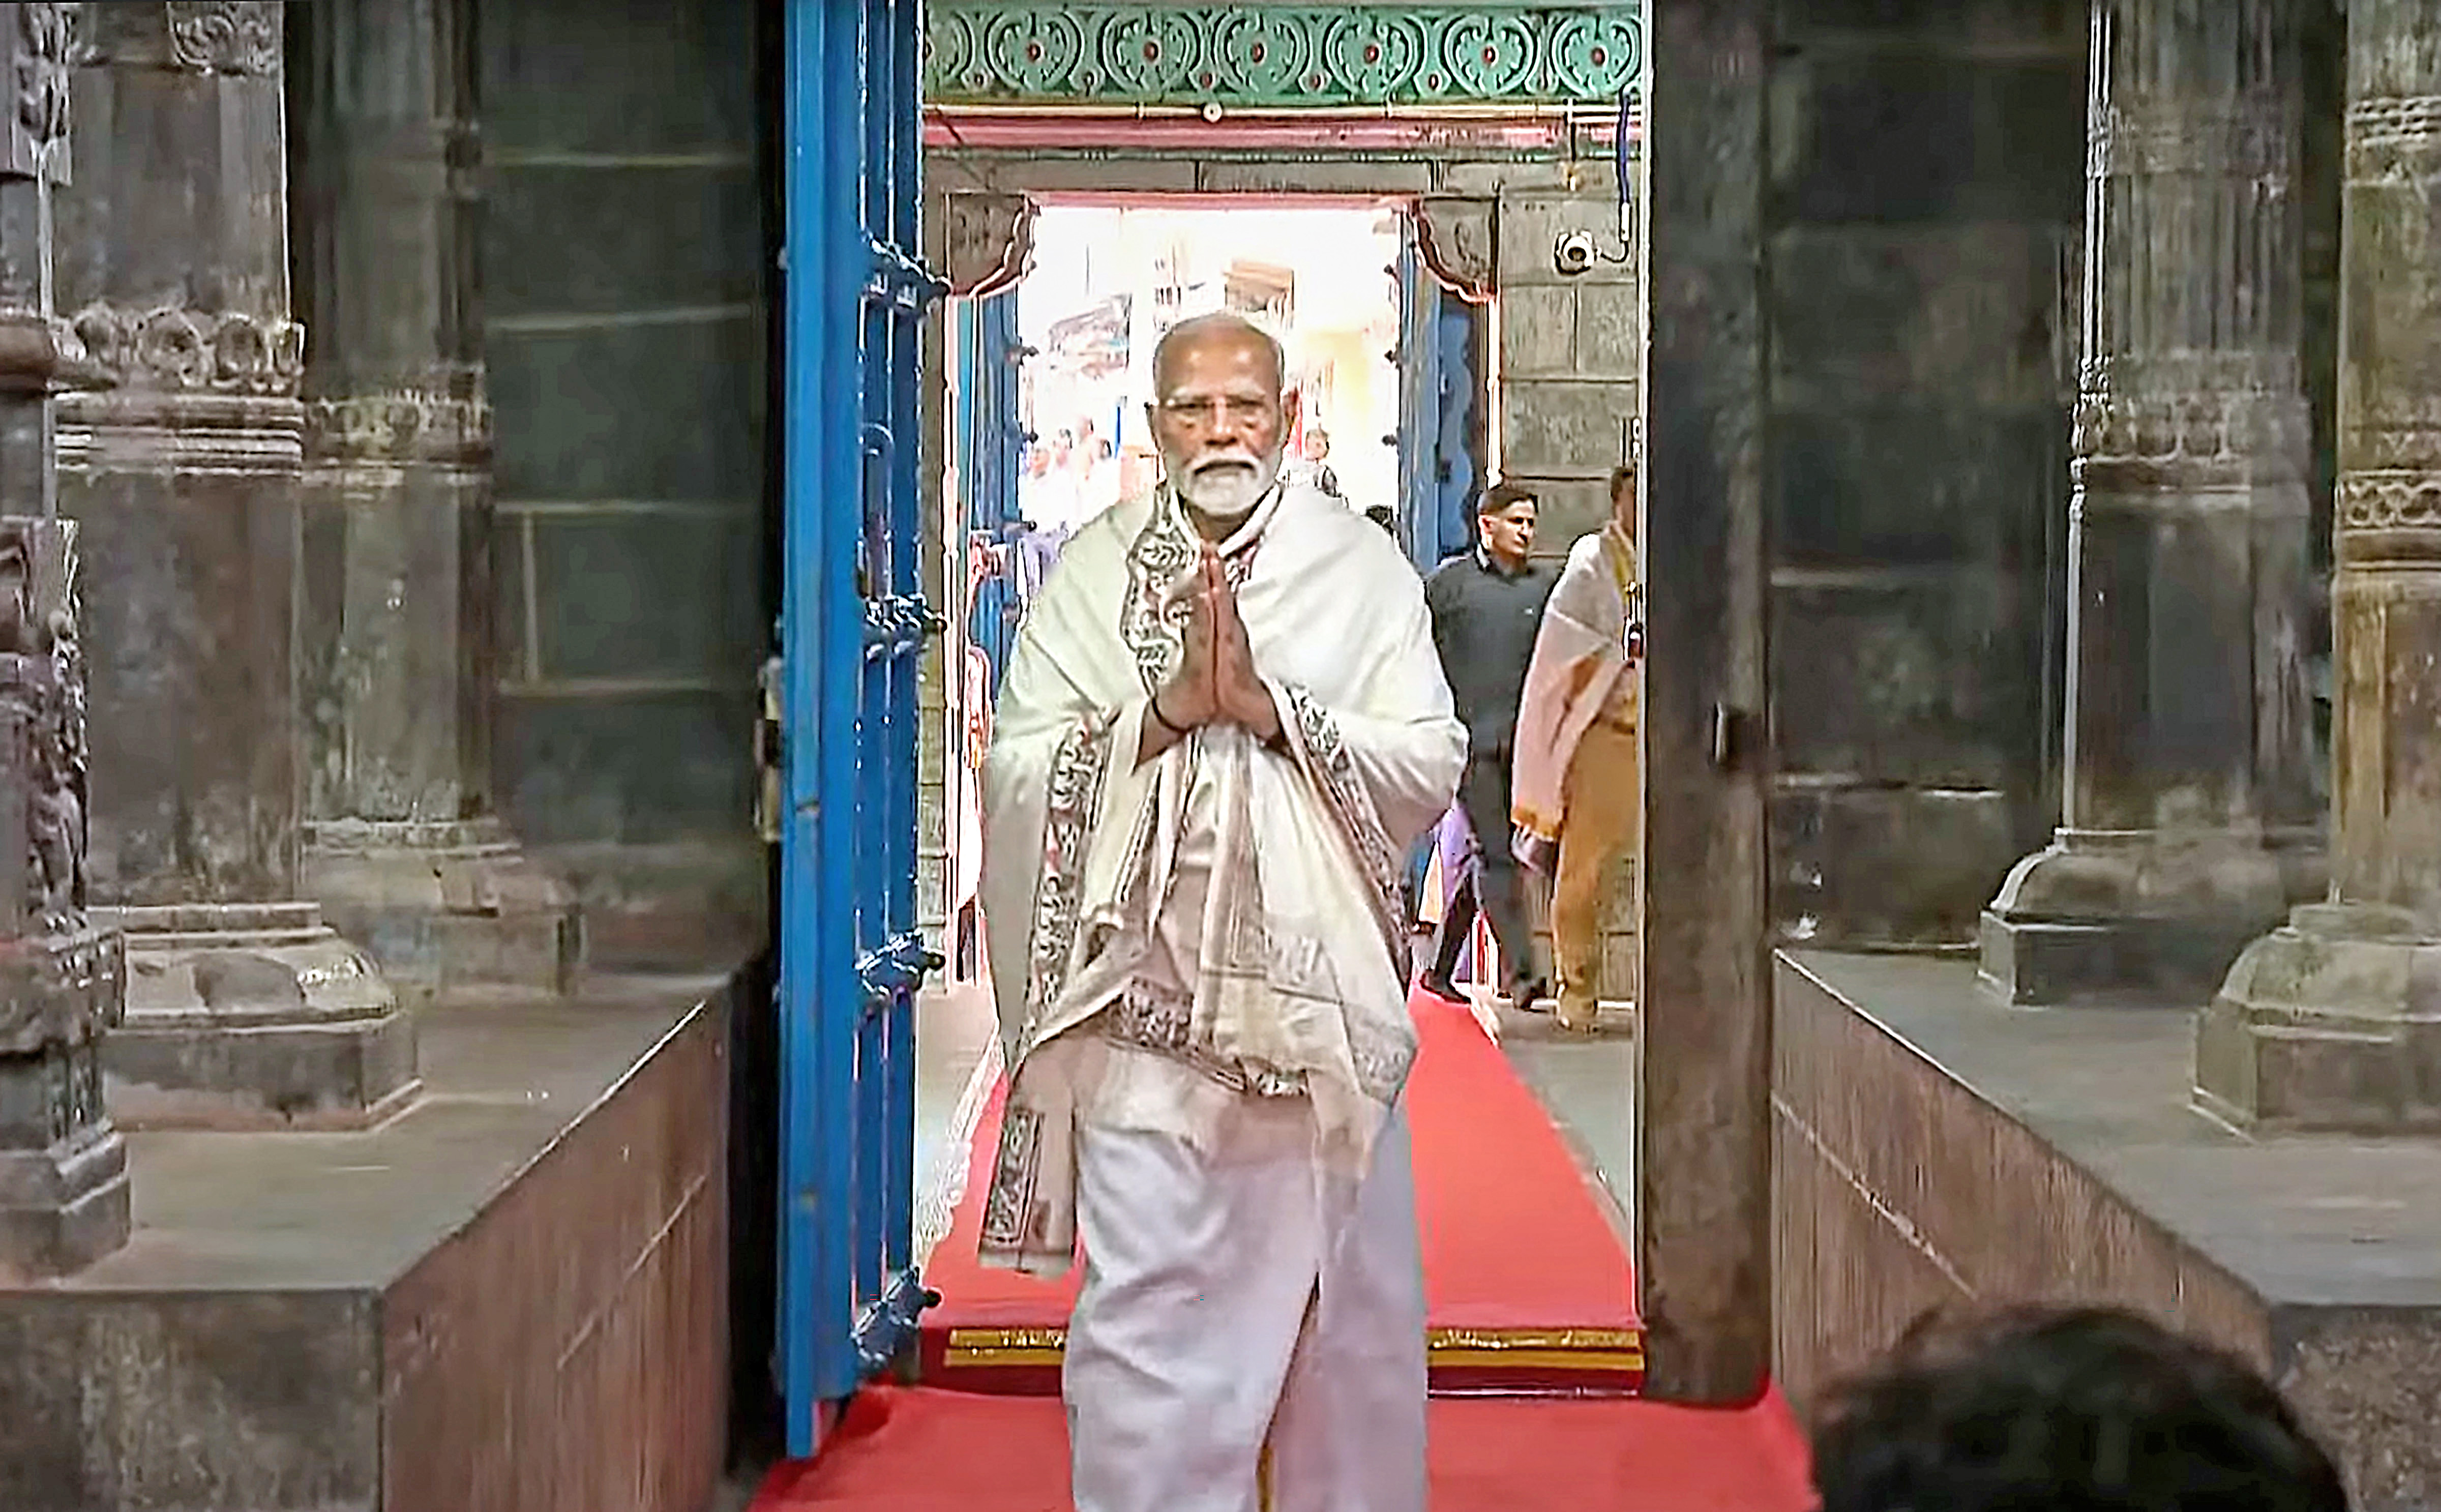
1207, 413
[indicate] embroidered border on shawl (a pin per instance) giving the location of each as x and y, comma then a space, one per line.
1163, 1023
1014, 1180
1334, 770
1382, 1058
1075, 790
1151, 623
1015, 1207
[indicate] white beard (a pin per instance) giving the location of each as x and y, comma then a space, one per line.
1228, 493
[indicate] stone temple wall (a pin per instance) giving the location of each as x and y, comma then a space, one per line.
1571, 357
626, 304
1924, 207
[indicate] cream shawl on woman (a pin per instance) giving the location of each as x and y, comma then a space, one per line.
1579, 655
1300, 984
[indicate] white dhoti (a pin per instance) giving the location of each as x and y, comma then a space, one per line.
1212, 1323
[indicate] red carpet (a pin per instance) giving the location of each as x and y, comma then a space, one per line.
1526, 1286
946, 1451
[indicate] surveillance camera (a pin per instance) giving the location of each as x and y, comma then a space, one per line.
1574, 252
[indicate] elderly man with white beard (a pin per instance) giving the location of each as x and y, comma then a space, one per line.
1223, 726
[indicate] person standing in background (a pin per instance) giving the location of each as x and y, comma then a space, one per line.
1314, 467
1577, 803
1486, 606
1047, 496
1097, 478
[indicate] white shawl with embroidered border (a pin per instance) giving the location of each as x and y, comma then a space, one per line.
1579, 655
1300, 987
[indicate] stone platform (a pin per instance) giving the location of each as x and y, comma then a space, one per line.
1933, 1145
511, 1297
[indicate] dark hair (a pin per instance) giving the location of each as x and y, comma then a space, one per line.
1620, 476
1502, 497
2074, 1409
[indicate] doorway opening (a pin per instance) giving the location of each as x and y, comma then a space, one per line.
1046, 384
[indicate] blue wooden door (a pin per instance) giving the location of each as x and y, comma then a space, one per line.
1420, 386
993, 442
854, 622
1440, 404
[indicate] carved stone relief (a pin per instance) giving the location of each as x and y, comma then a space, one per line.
171, 347
1455, 238
41, 691
2200, 434
2392, 134
2388, 508
997, 52
989, 239
397, 427
41, 710
48, 43
2390, 501
224, 36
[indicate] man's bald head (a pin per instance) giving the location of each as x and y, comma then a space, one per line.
1223, 329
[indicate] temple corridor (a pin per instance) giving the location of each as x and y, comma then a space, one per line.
514, 516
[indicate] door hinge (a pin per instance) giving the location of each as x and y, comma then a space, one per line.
771, 753
895, 968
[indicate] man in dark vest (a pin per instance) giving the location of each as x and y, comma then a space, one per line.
1486, 608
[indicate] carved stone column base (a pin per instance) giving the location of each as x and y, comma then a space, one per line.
2143, 918
253, 1016
64, 1185
2331, 1022
446, 906
64, 1208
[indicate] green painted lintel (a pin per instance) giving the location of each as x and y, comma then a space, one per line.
1279, 57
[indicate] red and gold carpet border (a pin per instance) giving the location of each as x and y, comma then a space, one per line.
1609, 1359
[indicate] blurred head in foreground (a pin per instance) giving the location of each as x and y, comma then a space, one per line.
2065, 1410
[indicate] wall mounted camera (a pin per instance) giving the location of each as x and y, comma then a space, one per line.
1580, 252
1575, 253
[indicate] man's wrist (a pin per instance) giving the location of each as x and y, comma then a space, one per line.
1262, 716
1153, 704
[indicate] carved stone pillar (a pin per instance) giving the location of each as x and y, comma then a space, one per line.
2189, 813
401, 847
2334, 1020
63, 1186
243, 1006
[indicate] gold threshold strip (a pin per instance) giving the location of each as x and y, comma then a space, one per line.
1574, 1349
